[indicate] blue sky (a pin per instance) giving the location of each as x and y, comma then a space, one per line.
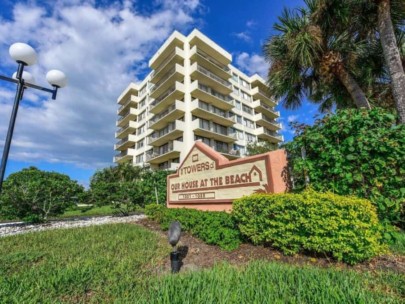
102, 46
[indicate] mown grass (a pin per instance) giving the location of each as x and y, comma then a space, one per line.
397, 245
264, 282
85, 211
119, 264
96, 264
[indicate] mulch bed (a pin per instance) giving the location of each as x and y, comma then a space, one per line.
197, 255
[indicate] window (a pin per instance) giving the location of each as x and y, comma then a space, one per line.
220, 129
142, 91
250, 137
142, 103
205, 124
142, 116
221, 146
238, 119
238, 105
141, 129
245, 84
245, 96
235, 77
248, 123
247, 109
140, 144
239, 135
205, 140
235, 90
139, 159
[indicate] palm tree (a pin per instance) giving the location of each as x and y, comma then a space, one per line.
373, 20
304, 61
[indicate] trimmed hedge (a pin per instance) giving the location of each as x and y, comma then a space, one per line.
215, 228
346, 228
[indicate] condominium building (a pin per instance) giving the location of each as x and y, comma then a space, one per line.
193, 93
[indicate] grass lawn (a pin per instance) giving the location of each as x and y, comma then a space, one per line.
94, 211
118, 263
398, 246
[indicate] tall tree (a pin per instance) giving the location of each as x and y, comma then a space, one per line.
392, 56
305, 61
375, 22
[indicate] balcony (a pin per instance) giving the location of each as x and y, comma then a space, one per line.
209, 95
124, 156
228, 153
211, 50
210, 79
167, 98
130, 102
268, 135
201, 128
209, 63
175, 57
131, 114
175, 41
170, 132
175, 111
210, 113
264, 121
165, 153
263, 96
126, 142
125, 130
263, 108
174, 74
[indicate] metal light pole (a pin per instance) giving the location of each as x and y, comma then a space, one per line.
25, 55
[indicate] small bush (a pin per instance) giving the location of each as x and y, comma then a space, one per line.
215, 228
346, 228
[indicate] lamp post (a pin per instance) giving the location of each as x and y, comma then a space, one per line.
25, 55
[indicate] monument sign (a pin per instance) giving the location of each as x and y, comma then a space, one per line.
207, 180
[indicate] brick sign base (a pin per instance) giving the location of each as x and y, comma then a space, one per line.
207, 180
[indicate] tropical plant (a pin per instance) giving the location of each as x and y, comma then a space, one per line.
377, 25
128, 187
34, 195
305, 61
260, 147
354, 152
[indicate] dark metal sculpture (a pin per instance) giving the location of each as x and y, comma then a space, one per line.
174, 237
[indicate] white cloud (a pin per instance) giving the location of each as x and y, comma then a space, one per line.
101, 49
252, 64
292, 118
245, 36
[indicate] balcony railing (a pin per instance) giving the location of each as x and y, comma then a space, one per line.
215, 110
121, 155
122, 141
163, 96
272, 133
164, 79
125, 104
213, 61
162, 114
159, 151
166, 130
214, 93
164, 63
213, 76
214, 128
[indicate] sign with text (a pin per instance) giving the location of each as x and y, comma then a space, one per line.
209, 181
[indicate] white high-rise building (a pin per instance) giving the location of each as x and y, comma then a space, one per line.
193, 93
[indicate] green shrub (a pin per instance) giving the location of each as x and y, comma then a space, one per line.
215, 228
354, 152
33, 195
346, 228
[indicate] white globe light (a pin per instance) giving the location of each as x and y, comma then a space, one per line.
26, 76
56, 78
23, 52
